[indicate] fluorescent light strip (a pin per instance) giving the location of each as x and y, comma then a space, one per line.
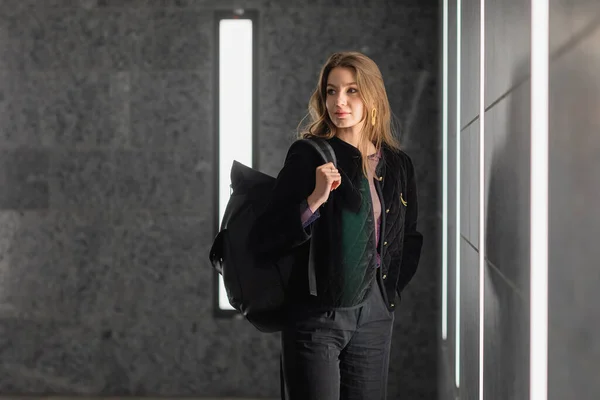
539, 200
235, 127
482, 268
458, 238
445, 179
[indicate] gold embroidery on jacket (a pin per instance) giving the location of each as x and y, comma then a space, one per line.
403, 201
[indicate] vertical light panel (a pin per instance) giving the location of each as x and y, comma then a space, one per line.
445, 177
481, 192
458, 183
235, 108
539, 200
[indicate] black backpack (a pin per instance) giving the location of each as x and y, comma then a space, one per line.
255, 286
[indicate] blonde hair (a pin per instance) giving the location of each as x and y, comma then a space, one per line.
373, 95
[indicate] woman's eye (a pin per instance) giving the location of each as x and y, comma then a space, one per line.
352, 90
330, 91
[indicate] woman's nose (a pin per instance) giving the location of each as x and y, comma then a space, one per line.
341, 100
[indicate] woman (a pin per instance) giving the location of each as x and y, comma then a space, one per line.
360, 222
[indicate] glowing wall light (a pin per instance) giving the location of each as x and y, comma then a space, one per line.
481, 191
235, 109
445, 177
458, 183
539, 200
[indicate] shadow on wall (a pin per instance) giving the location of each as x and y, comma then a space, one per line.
574, 98
574, 220
507, 146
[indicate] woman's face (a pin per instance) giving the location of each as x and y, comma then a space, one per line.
343, 102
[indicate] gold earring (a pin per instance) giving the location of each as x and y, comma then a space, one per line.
373, 116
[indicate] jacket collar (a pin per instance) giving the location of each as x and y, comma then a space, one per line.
349, 158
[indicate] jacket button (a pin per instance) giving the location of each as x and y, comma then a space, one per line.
380, 178
392, 305
385, 243
384, 276
387, 211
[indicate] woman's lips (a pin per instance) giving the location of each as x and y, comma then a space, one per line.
341, 114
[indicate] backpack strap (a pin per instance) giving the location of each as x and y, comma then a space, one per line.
323, 147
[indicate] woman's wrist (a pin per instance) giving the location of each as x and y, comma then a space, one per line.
313, 203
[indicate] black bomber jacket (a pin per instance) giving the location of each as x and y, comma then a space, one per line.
343, 237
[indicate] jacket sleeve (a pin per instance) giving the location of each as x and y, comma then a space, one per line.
306, 215
279, 227
413, 239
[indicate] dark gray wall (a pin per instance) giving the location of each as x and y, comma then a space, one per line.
506, 191
106, 169
507, 200
574, 351
574, 195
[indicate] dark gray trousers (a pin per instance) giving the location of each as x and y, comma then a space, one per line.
338, 354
